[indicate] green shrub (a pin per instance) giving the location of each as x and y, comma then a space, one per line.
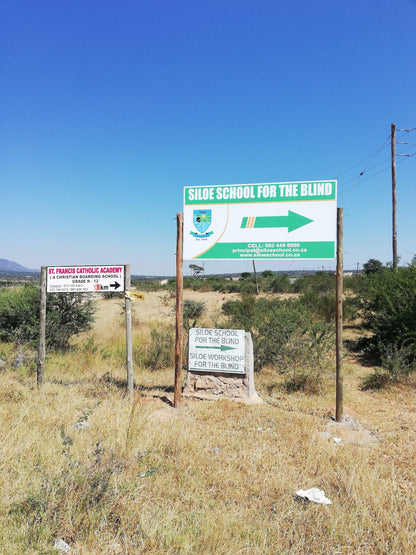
232, 286
268, 274
271, 282
192, 311
278, 284
285, 334
320, 282
19, 314
268, 282
192, 283
248, 287
351, 308
67, 314
354, 283
147, 284
389, 309
322, 305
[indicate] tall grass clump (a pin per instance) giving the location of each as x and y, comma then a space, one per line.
158, 351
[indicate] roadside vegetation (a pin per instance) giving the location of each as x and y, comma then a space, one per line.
107, 473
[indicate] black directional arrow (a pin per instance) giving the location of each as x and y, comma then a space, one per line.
116, 285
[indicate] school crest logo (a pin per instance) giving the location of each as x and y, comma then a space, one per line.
202, 220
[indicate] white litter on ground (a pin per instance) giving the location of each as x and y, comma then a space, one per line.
314, 494
81, 425
60, 545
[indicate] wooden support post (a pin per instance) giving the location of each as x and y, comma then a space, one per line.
255, 277
338, 320
179, 311
42, 328
129, 343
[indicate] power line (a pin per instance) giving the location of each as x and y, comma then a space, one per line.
368, 171
407, 130
366, 158
364, 180
404, 150
368, 178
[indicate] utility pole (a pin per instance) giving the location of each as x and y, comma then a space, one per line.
177, 395
339, 399
394, 198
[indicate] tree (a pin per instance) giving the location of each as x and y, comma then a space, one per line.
372, 266
268, 274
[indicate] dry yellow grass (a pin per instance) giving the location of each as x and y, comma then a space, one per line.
224, 474
157, 307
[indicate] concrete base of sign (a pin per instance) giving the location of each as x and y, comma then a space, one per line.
212, 386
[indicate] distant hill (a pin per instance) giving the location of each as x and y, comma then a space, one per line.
13, 267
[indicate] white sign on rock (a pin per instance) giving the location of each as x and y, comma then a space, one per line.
216, 350
84, 279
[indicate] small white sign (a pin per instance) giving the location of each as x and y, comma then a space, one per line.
215, 350
84, 279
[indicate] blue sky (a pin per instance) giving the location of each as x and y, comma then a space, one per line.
108, 109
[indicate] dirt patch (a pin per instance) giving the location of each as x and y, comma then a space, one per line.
349, 430
165, 414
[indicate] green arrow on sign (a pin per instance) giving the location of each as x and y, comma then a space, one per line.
292, 221
221, 347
